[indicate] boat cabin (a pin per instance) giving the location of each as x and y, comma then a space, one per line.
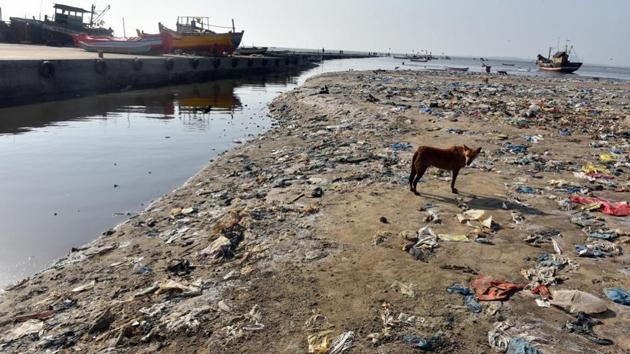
193, 24
69, 15
560, 57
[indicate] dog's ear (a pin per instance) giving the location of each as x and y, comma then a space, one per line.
479, 150
466, 147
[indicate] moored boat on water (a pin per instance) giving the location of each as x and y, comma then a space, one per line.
146, 44
456, 68
193, 35
559, 62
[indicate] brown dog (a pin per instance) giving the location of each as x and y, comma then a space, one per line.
453, 158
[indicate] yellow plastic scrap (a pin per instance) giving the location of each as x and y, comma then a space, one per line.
590, 168
592, 206
318, 343
607, 157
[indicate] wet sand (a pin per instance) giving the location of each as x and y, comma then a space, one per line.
300, 231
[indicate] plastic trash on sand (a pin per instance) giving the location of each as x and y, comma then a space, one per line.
342, 343
585, 219
541, 237
521, 346
591, 168
217, 248
179, 289
469, 298
84, 287
599, 248
452, 237
516, 337
583, 325
618, 295
400, 146
472, 214
423, 245
421, 343
574, 301
533, 138
608, 235
525, 190
405, 289
565, 132
319, 343
607, 157
490, 224
24, 329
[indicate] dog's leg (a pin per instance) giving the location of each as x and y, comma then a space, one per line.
414, 171
455, 173
421, 170
412, 176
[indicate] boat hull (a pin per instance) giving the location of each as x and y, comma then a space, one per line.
567, 68
148, 44
202, 43
453, 68
251, 51
47, 32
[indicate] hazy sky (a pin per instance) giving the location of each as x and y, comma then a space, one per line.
599, 29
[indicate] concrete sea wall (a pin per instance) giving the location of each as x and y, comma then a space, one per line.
26, 81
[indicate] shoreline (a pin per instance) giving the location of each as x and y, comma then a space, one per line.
280, 237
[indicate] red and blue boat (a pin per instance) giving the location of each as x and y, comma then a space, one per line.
148, 44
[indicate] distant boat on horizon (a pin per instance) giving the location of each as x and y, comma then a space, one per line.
559, 62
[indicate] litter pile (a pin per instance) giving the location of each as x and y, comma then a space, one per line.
288, 243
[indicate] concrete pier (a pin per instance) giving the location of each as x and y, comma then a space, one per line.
36, 73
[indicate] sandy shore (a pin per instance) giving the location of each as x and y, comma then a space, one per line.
301, 233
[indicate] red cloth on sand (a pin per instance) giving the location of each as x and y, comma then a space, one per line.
610, 208
488, 289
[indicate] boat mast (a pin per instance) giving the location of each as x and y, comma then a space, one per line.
92, 15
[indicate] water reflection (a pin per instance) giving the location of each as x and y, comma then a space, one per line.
161, 103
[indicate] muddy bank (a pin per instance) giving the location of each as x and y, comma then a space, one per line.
310, 231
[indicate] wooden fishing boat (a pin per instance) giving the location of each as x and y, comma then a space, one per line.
456, 68
251, 50
58, 31
559, 62
147, 44
193, 35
